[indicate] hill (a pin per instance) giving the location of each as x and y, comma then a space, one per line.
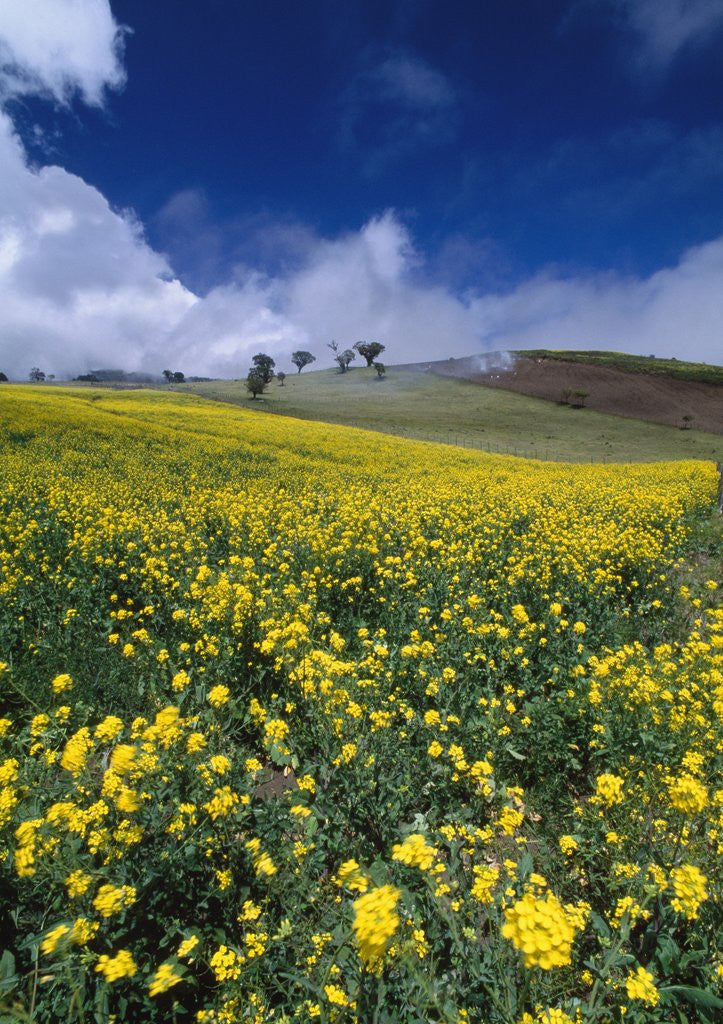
455, 409
637, 387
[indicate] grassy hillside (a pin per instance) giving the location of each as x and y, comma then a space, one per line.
704, 372
466, 414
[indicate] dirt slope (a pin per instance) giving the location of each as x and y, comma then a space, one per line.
653, 397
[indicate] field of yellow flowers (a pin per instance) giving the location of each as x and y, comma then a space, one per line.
302, 723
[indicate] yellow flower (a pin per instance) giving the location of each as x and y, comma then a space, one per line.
222, 803
226, 964
485, 880
609, 789
83, 931
541, 929
349, 876
639, 985
113, 968
568, 845
62, 682
220, 764
108, 729
164, 978
76, 751
77, 883
415, 852
53, 938
187, 946
690, 891
110, 900
688, 795
275, 730
336, 996
180, 680
375, 922
123, 758
219, 696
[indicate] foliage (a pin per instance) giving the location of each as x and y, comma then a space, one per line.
265, 366
36, 375
380, 368
286, 736
256, 381
281, 377
345, 358
301, 359
369, 350
3, 378
174, 376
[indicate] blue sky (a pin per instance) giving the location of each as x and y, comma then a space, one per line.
443, 177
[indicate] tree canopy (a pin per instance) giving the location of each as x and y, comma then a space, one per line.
301, 359
369, 350
265, 365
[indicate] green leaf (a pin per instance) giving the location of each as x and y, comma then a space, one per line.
600, 925
696, 996
7, 966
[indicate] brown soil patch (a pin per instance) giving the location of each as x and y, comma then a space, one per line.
656, 398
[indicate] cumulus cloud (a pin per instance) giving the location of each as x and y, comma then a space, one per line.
56, 48
78, 284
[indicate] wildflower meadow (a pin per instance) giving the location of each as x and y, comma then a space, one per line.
305, 723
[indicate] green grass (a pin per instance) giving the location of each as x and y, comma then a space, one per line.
460, 412
703, 372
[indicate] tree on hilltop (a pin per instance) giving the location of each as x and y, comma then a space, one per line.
265, 365
342, 358
369, 349
36, 375
302, 359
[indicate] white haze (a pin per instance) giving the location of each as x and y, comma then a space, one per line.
80, 288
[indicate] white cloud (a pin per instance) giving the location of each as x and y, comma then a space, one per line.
78, 284
58, 47
676, 311
664, 28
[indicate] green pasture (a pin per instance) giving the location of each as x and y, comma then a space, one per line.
460, 412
